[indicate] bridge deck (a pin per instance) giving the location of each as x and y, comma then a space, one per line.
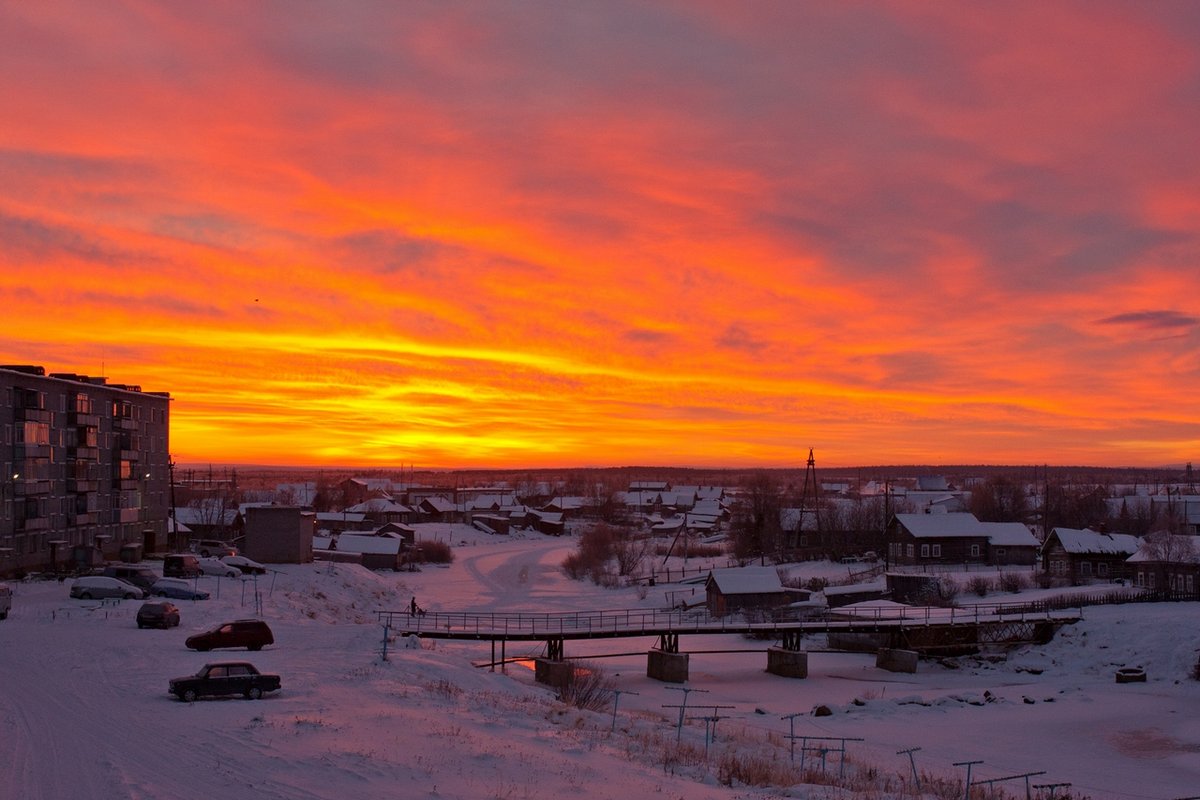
650, 622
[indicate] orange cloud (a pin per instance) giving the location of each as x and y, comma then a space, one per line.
613, 235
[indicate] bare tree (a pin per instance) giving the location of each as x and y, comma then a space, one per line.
999, 499
755, 528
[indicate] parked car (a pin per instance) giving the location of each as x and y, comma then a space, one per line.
177, 589
222, 678
253, 634
97, 587
214, 547
181, 565
246, 565
157, 614
5, 600
139, 575
215, 566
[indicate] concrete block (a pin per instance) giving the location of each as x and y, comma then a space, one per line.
668, 667
558, 674
897, 660
787, 663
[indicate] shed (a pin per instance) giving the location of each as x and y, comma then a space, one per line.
744, 588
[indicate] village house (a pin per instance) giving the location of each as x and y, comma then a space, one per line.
936, 538
1082, 556
741, 589
1166, 561
1011, 543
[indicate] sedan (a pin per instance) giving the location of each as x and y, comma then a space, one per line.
246, 565
177, 589
215, 566
97, 587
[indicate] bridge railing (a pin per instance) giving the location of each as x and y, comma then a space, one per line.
485, 624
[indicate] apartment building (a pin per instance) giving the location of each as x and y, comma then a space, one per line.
86, 465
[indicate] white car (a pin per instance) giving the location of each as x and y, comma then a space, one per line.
246, 565
215, 566
95, 587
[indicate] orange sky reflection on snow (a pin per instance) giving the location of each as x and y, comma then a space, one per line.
601, 234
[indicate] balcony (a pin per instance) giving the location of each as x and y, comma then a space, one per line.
125, 424
128, 455
82, 420
33, 524
126, 485
128, 514
34, 415
31, 488
86, 453
34, 451
82, 485
90, 518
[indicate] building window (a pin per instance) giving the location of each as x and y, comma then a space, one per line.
937, 551
910, 551
1150, 580
1085, 568
924, 551
1102, 569
1191, 583
1141, 578
974, 551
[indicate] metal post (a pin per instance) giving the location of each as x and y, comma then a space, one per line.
913, 762
617, 699
386, 630
967, 785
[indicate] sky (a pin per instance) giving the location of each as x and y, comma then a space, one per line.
528, 234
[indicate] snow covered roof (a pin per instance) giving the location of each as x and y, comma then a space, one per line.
439, 504
1009, 534
376, 545
1089, 541
379, 505
1174, 549
746, 580
940, 526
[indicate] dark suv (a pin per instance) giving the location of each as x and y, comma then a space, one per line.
139, 575
158, 614
252, 634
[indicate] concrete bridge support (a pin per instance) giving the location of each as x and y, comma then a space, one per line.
787, 663
558, 674
897, 660
668, 667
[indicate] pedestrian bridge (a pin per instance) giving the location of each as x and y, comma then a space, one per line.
921, 629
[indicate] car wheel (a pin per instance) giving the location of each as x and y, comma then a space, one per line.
85, 595
204, 649
140, 626
129, 596
254, 647
254, 693
188, 696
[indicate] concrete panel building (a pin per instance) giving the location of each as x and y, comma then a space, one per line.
86, 468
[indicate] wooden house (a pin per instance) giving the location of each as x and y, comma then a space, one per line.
937, 539
1011, 543
739, 589
1083, 556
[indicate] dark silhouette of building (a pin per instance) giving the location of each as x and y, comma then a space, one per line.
86, 468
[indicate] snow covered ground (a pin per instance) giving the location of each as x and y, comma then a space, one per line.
84, 711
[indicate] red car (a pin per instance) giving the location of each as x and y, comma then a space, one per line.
253, 634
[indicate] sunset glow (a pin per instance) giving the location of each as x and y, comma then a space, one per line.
596, 233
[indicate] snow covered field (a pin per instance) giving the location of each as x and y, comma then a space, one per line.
84, 711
